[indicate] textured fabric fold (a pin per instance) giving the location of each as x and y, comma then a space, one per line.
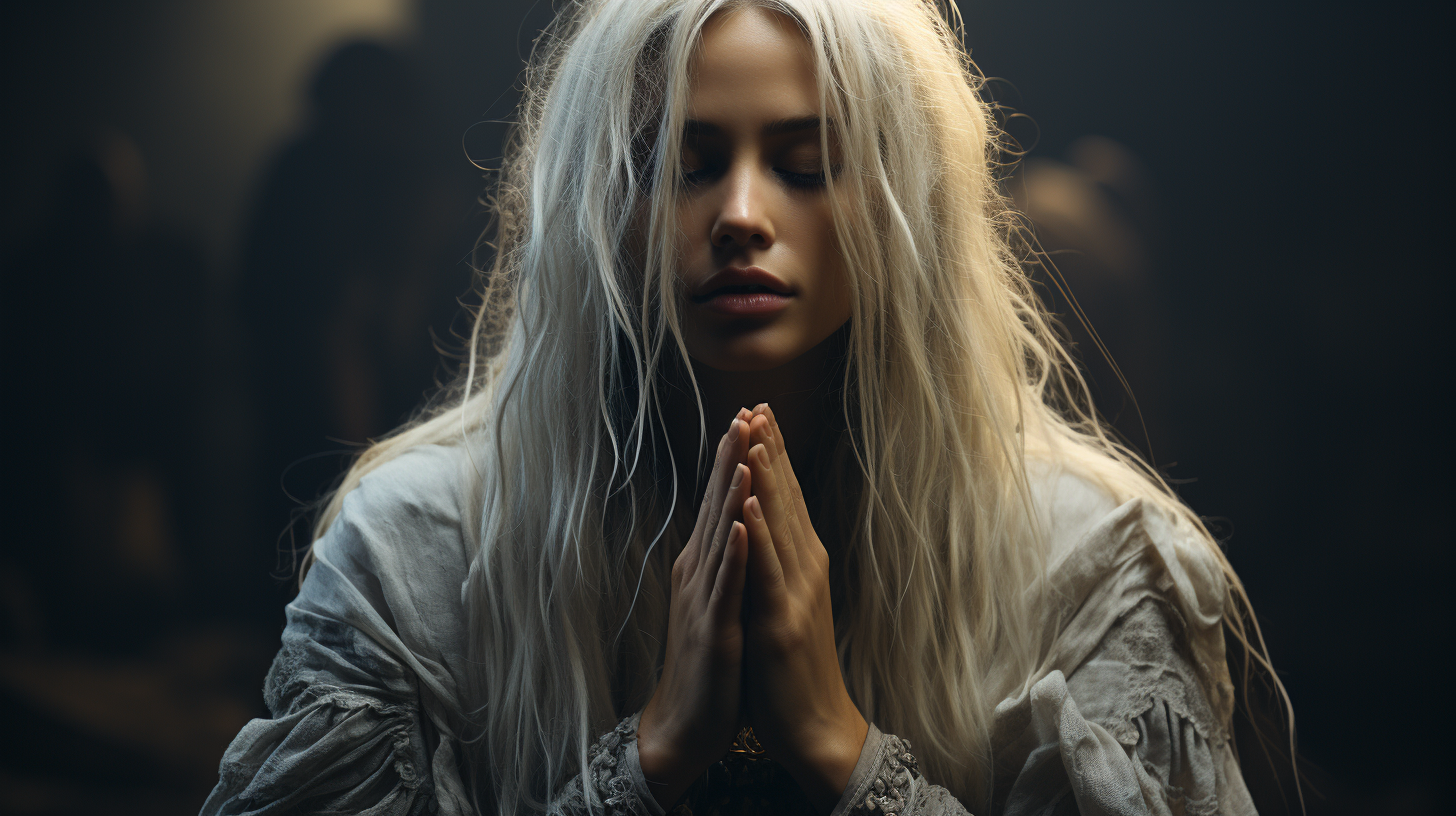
330, 750
1144, 689
370, 653
1074, 757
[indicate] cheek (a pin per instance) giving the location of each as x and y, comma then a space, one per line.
834, 272
691, 238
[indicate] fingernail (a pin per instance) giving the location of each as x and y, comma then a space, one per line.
737, 476
755, 509
760, 408
763, 457
733, 431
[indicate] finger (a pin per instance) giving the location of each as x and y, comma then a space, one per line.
718, 484
790, 478
728, 515
763, 410
732, 574
764, 568
706, 506
795, 519
692, 552
767, 490
765, 432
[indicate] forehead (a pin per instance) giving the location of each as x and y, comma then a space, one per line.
752, 65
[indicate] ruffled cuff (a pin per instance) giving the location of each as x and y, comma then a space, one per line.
613, 782
884, 780
341, 752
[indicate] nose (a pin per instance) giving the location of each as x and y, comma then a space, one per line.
743, 218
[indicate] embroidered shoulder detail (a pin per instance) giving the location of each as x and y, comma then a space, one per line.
608, 782
1145, 650
889, 793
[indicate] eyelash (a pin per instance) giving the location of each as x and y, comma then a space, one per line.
798, 181
803, 181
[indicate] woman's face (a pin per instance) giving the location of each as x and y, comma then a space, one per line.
759, 261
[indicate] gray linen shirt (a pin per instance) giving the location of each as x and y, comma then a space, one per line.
1128, 714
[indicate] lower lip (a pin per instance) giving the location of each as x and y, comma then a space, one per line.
757, 303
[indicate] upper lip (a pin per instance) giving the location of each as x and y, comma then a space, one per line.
736, 276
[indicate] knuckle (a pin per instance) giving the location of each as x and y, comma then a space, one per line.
788, 639
820, 556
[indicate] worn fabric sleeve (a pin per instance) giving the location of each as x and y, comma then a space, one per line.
1142, 688
364, 694
345, 736
1130, 733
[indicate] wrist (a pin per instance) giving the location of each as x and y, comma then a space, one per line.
667, 771
828, 761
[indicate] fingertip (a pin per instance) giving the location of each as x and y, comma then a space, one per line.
740, 550
760, 452
760, 427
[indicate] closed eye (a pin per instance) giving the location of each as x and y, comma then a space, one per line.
800, 180
703, 174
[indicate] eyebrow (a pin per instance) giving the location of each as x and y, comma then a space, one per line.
779, 127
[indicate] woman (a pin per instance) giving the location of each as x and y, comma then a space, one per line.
549, 594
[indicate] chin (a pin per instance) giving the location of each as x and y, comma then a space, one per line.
743, 363
744, 354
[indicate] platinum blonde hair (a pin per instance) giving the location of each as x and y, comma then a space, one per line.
561, 405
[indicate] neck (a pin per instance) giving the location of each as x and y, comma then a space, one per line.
799, 392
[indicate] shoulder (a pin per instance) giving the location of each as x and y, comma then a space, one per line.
391, 566
1107, 558
405, 520
1068, 506
1094, 527
425, 485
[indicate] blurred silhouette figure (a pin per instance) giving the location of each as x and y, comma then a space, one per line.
110, 398
1097, 217
105, 666
343, 276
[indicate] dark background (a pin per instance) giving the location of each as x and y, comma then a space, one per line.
231, 230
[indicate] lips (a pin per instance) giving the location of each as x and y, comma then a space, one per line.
743, 293
735, 282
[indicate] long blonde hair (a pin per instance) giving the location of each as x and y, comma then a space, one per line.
954, 379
